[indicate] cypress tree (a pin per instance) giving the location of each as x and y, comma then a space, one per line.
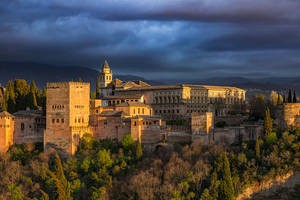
226, 190
63, 190
33, 87
279, 99
98, 88
290, 96
284, 100
139, 151
80, 80
10, 97
4, 105
214, 185
257, 149
294, 97
268, 123
32, 96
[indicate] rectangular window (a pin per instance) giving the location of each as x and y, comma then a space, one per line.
57, 120
53, 121
62, 120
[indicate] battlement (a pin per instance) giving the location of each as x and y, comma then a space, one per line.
54, 85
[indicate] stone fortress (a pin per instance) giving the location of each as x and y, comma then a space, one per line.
148, 113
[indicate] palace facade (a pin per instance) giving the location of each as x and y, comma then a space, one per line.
172, 101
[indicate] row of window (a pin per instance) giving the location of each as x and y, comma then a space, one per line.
62, 120
79, 120
138, 111
146, 123
23, 126
79, 106
4, 126
58, 107
4, 117
103, 78
116, 102
58, 120
162, 100
166, 111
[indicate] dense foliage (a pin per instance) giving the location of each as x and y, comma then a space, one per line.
108, 169
20, 96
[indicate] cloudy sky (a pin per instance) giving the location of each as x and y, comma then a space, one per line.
165, 39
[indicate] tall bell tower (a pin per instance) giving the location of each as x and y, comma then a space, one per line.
105, 79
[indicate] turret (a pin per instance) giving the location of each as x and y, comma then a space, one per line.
105, 78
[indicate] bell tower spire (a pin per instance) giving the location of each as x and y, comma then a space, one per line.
105, 78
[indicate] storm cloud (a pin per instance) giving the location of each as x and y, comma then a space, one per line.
179, 39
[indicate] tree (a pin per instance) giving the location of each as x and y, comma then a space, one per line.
33, 96
98, 88
226, 190
127, 142
45, 196
104, 159
290, 96
63, 189
205, 195
33, 87
15, 192
80, 80
257, 149
271, 138
21, 94
4, 104
32, 100
87, 142
257, 106
139, 151
279, 99
274, 96
44, 98
294, 97
10, 97
268, 123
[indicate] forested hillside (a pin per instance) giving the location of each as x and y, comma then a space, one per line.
109, 169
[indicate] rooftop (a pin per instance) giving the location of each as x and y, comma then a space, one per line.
126, 96
125, 104
5, 114
112, 113
183, 85
28, 113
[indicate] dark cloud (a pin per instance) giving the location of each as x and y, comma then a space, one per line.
257, 38
177, 39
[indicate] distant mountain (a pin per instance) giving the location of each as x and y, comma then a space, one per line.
43, 73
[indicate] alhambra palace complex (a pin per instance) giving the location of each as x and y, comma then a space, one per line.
132, 107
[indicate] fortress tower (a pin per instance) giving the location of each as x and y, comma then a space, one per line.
67, 115
105, 79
